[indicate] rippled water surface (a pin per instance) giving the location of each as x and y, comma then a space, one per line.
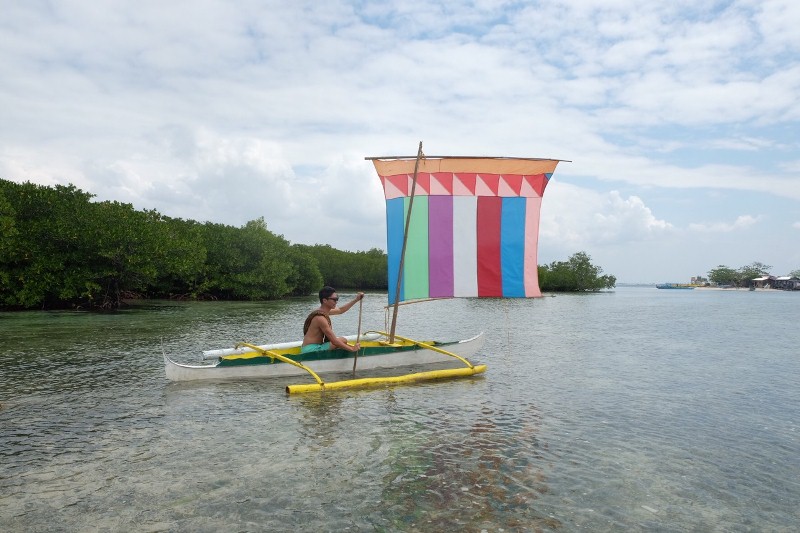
637, 409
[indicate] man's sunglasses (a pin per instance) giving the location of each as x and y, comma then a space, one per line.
334, 299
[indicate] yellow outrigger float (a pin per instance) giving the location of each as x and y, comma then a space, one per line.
321, 386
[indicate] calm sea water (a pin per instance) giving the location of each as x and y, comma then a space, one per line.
638, 409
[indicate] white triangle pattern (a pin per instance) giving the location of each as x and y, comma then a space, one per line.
527, 190
390, 191
437, 188
481, 189
505, 189
419, 190
459, 189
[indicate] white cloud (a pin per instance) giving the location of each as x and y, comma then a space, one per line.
741, 222
796, 225
778, 21
575, 217
792, 167
745, 143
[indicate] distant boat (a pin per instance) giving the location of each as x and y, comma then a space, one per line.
673, 286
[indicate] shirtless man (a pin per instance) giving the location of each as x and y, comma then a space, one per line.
318, 332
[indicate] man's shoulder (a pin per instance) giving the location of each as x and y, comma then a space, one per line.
318, 316
314, 318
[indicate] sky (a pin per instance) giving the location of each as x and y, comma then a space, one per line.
680, 120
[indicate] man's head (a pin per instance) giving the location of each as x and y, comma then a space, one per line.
326, 293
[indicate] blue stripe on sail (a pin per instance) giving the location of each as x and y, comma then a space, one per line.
512, 246
395, 226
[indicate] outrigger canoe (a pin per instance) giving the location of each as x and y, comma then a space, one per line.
474, 235
249, 361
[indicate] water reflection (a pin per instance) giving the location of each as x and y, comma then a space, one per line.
319, 418
487, 472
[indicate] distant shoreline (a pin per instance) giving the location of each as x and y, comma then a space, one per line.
746, 289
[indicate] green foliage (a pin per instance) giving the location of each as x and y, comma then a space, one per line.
45, 236
59, 249
250, 263
267, 267
353, 270
181, 263
723, 275
753, 270
577, 274
305, 277
127, 251
795, 273
8, 236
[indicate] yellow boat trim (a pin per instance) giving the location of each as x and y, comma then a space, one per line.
257, 352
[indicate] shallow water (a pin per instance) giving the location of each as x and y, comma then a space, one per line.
637, 409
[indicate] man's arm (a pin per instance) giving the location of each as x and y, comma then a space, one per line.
346, 307
327, 330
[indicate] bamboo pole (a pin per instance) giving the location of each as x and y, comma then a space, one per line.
405, 242
358, 335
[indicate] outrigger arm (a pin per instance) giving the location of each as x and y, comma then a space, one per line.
280, 357
426, 346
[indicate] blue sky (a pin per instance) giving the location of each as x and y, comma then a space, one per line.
681, 118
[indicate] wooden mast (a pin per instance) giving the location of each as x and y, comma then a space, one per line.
405, 241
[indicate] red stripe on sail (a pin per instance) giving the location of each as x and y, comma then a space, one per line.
490, 281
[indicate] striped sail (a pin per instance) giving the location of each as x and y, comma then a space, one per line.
474, 226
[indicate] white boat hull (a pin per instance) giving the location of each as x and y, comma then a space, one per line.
185, 372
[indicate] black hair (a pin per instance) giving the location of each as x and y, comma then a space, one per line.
325, 292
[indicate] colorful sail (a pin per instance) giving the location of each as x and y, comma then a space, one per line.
474, 226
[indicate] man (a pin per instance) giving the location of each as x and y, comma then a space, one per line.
317, 331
